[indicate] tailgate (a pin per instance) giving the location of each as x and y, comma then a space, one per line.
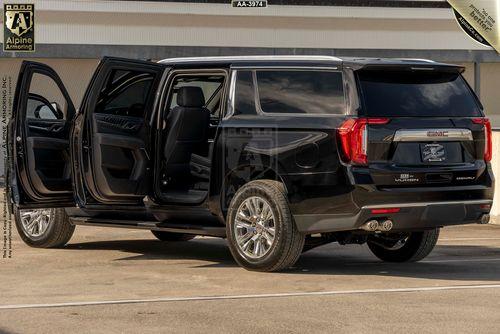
434, 131
420, 151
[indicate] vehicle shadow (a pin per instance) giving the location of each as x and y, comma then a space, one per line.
447, 262
203, 249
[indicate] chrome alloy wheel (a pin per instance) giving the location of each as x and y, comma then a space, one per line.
36, 222
254, 227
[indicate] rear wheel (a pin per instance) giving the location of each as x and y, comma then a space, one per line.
408, 247
169, 236
260, 229
44, 228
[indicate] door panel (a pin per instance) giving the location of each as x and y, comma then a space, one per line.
119, 155
39, 157
118, 134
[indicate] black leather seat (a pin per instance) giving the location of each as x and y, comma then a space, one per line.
187, 129
200, 166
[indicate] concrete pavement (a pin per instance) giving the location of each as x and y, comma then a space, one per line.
112, 265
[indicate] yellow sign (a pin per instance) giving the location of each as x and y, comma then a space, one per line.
480, 19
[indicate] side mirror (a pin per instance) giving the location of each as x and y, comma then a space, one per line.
49, 111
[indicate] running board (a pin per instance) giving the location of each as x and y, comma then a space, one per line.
213, 231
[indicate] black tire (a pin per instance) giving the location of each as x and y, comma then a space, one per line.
288, 241
58, 233
417, 246
169, 236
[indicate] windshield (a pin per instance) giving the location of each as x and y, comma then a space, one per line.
404, 93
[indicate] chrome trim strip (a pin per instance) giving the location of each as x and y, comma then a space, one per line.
433, 135
285, 67
250, 58
412, 205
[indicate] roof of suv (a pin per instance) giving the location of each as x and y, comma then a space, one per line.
354, 62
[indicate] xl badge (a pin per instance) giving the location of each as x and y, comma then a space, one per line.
433, 153
19, 28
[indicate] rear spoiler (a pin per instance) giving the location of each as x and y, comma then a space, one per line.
400, 64
438, 67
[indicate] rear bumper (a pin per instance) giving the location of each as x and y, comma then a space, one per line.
412, 216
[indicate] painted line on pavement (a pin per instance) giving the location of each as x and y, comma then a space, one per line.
251, 296
381, 263
460, 260
466, 239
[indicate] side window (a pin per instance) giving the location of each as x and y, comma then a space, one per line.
125, 93
301, 91
244, 94
45, 99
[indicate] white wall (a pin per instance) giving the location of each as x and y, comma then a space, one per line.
167, 23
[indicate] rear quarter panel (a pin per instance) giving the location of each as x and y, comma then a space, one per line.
300, 151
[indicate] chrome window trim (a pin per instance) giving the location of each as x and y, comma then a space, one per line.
451, 134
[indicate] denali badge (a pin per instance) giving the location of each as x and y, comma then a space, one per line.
433, 153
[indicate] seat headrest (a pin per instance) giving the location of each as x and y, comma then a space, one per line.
190, 96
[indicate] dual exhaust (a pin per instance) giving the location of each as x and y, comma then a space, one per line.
376, 226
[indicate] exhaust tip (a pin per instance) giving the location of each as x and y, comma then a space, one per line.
485, 219
386, 225
371, 225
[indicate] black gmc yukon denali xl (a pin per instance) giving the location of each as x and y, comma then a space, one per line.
276, 154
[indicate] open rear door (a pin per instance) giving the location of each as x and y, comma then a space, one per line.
39, 160
117, 132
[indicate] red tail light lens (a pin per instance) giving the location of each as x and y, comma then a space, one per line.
385, 210
488, 145
353, 138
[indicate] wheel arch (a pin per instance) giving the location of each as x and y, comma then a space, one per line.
243, 174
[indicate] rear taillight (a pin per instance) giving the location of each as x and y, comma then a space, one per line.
488, 145
353, 138
385, 210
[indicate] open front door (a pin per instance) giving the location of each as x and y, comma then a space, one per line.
117, 133
39, 160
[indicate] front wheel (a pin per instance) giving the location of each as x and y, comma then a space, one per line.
407, 247
44, 228
261, 232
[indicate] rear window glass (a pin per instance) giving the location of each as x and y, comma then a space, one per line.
400, 93
301, 92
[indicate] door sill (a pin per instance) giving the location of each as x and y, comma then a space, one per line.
213, 231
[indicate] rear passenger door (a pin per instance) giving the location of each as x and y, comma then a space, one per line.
116, 142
